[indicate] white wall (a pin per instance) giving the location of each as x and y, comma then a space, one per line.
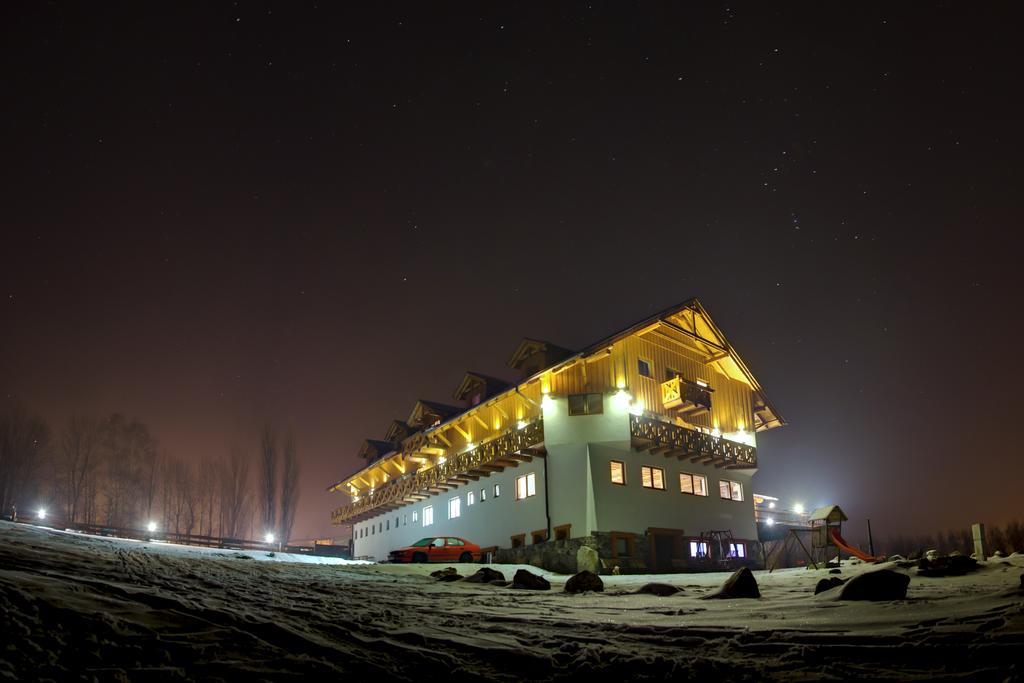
492, 522
635, 508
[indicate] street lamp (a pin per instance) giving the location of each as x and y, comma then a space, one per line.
151, 527
269, 538
42, 513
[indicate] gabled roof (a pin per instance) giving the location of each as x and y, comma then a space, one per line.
472, 380
423, 408
527, 347
397, 431
831, 513
373, 449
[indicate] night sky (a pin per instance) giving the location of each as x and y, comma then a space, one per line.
225, 213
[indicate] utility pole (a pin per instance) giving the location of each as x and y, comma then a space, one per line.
871, 541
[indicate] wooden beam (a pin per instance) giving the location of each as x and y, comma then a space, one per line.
660, 449
460, 430
441, 436
482, 423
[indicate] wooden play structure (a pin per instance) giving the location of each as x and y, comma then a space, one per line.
824, 536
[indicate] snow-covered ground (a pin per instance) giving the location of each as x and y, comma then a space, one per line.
74, 606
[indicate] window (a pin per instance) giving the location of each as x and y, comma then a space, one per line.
415, 517
652, 477
519, 540
389, 525
644, 367
483, 495
454, 507
698, 549
526, 486
497, 490
396, 522
623, 544
405, 521
586, 404
618, 472
539, 536
454, 541
470, 498
730, 490
694, 484
428, 515
738, 550
373, 529
563, 532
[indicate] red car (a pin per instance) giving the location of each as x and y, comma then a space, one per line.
438, 549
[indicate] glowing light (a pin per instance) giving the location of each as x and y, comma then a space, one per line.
269, 538
716, 433
702, 383
151, 527
441, 459
769, 521
521, 424
471, 445
798, 508
41, 513
621, 399
637, 408
547, 402
771, 506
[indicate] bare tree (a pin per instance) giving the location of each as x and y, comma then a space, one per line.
208, 485
130, 452
234, 493
24, 442
289, 487
267, 496
77, 463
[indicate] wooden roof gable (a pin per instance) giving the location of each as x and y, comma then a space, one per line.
472, 381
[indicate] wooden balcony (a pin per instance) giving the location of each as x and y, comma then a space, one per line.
507, 450
688, 444
687, 398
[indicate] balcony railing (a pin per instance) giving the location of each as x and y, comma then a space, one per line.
396, 491
686, 397
674, 440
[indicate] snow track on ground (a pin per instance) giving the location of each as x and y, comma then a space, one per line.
95, 607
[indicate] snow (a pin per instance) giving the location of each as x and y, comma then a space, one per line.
75, 606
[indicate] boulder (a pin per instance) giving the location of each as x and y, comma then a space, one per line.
828, 584
583, 582
485, 575
448, 578
881, 584
952, 565
662, 590
587, 560
931, 554
741, 584
530, 581
444, 572
835, 571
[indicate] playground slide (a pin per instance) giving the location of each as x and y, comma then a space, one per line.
843, 545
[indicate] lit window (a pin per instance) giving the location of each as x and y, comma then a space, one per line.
470, 498
497, 490
526, 486
694, 484
454, 507
586, 404
428, 515
483, 495
652, 477
415, 517
730, 490
737, 550
644, 367
698, 549
618, 472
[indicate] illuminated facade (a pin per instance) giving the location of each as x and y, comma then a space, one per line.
635, 446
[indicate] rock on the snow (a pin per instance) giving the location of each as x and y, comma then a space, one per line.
587, 560
440, 573
662, 590
485, 575
530, 581
835, 571
953, 565
741, 584
828, 584
931, 554
584, 581
881, 584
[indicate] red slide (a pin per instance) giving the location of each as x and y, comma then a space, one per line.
843, 545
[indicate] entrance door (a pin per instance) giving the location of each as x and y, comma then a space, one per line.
666, 545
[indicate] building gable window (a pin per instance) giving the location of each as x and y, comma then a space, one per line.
730, 490
694, 484
644, 367
586, 404
428, 515
454, 507
652, 478
526, 486
618, 472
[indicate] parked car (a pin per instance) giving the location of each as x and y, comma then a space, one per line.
438, 549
